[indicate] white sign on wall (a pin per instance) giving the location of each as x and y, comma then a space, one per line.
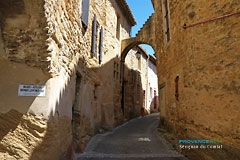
31, 90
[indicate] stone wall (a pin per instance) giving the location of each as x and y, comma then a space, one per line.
44, 43
23, 30
206, 59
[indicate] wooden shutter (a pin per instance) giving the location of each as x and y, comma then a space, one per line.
85, 12
167, 21
100, 45
94, 35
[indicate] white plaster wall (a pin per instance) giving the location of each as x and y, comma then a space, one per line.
152, 83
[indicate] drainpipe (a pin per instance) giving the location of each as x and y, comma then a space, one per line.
210, 20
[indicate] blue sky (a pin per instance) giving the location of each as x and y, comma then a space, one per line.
141, 10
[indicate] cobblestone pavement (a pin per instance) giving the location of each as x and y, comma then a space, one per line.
134, 140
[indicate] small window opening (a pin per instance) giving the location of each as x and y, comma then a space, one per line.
118, 27
166, 17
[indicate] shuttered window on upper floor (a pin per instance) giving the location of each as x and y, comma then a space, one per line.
100, 45
94, 37
166, 19
97, 40
85, 12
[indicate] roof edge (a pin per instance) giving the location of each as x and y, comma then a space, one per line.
153, 59
127, 11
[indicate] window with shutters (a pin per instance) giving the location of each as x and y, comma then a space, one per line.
85, 13
95, 37
166, 20
100, 45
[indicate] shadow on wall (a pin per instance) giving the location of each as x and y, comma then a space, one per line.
62, 122
133, 93
39, 136
89, 124
14, 121
22, 132
6, 126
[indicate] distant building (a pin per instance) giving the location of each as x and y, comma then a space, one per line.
152, 94
141, 86
135, 82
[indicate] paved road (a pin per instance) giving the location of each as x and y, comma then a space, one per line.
135, 140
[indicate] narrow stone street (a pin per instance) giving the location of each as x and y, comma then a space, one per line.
135, 140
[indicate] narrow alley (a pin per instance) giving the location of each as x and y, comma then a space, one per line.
135, 140
77, 75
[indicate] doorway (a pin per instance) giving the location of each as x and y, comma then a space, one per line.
76, 113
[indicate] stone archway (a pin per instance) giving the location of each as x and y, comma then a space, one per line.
125, 83
146, 35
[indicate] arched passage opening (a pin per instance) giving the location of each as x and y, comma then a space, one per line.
138, 91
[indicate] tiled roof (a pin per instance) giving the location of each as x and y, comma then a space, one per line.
127, 12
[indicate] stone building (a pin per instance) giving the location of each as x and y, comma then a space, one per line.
200, 84
60, 74
140, 83
197, 49
152, 88
135, 82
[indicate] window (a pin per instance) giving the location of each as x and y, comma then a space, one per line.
166, 19
85, 13
100, 45
95, 92
94, 36
97, 40
116, 71
138, 55
97, 36
118, 28
151, 96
